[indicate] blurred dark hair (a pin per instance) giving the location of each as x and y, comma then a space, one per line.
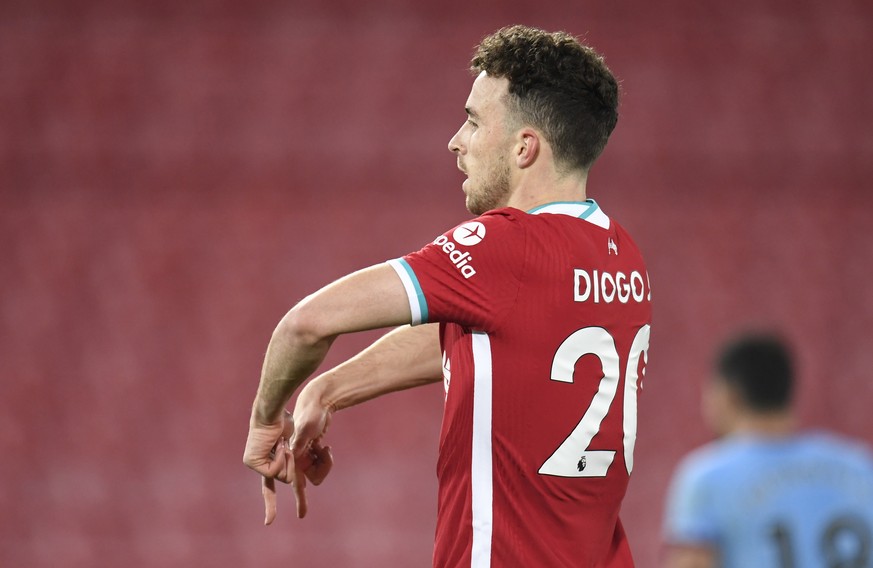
556, 85
759, 366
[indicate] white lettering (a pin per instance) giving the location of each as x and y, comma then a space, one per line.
608, 296
638, 294
596, 288
606, 286
623, 287
459, 258
578, 296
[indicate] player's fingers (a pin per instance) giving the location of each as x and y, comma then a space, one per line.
300, 443
268, 489
300, 492
277, 463
287, 425
321, 465
288, 471
308, 427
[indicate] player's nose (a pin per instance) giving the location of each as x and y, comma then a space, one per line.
455, 145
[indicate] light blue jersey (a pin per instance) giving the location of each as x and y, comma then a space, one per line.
803, 501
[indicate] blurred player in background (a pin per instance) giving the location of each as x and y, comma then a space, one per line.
535, 315
765, 495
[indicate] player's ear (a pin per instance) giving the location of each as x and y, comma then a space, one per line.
527, 147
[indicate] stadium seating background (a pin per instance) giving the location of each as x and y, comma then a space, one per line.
174, 176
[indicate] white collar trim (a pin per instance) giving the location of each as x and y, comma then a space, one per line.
587, 210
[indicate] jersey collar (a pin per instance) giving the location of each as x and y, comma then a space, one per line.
587, 210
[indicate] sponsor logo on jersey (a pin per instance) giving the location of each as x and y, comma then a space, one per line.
606, 287
468, 234
611, 247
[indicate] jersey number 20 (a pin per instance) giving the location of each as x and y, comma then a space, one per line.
573, 458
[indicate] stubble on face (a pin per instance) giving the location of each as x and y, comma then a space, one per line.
492, 191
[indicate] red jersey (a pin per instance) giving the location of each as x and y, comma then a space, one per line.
544, 327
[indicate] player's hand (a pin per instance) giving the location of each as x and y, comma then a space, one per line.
266, 453
311, 421
274, 460
314, 465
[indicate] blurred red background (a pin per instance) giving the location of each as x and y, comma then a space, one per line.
174, 176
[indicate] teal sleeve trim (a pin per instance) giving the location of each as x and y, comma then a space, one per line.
419, 293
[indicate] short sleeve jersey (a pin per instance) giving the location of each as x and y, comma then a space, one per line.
544, 327
803, 501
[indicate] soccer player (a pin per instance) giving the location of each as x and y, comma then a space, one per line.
765, 495
535, 315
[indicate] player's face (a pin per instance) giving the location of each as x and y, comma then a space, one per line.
719, 406
483, 146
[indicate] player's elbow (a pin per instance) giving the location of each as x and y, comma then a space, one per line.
303, 326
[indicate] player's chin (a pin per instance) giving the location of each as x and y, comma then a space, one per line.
470, 202
472, 205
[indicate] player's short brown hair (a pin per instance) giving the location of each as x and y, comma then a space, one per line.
556, 85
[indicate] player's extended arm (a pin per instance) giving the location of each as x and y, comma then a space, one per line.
368, 299
404, 358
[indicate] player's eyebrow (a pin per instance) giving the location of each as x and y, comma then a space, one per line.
471, 113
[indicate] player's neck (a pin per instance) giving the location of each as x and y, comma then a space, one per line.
539, 186
771, 425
